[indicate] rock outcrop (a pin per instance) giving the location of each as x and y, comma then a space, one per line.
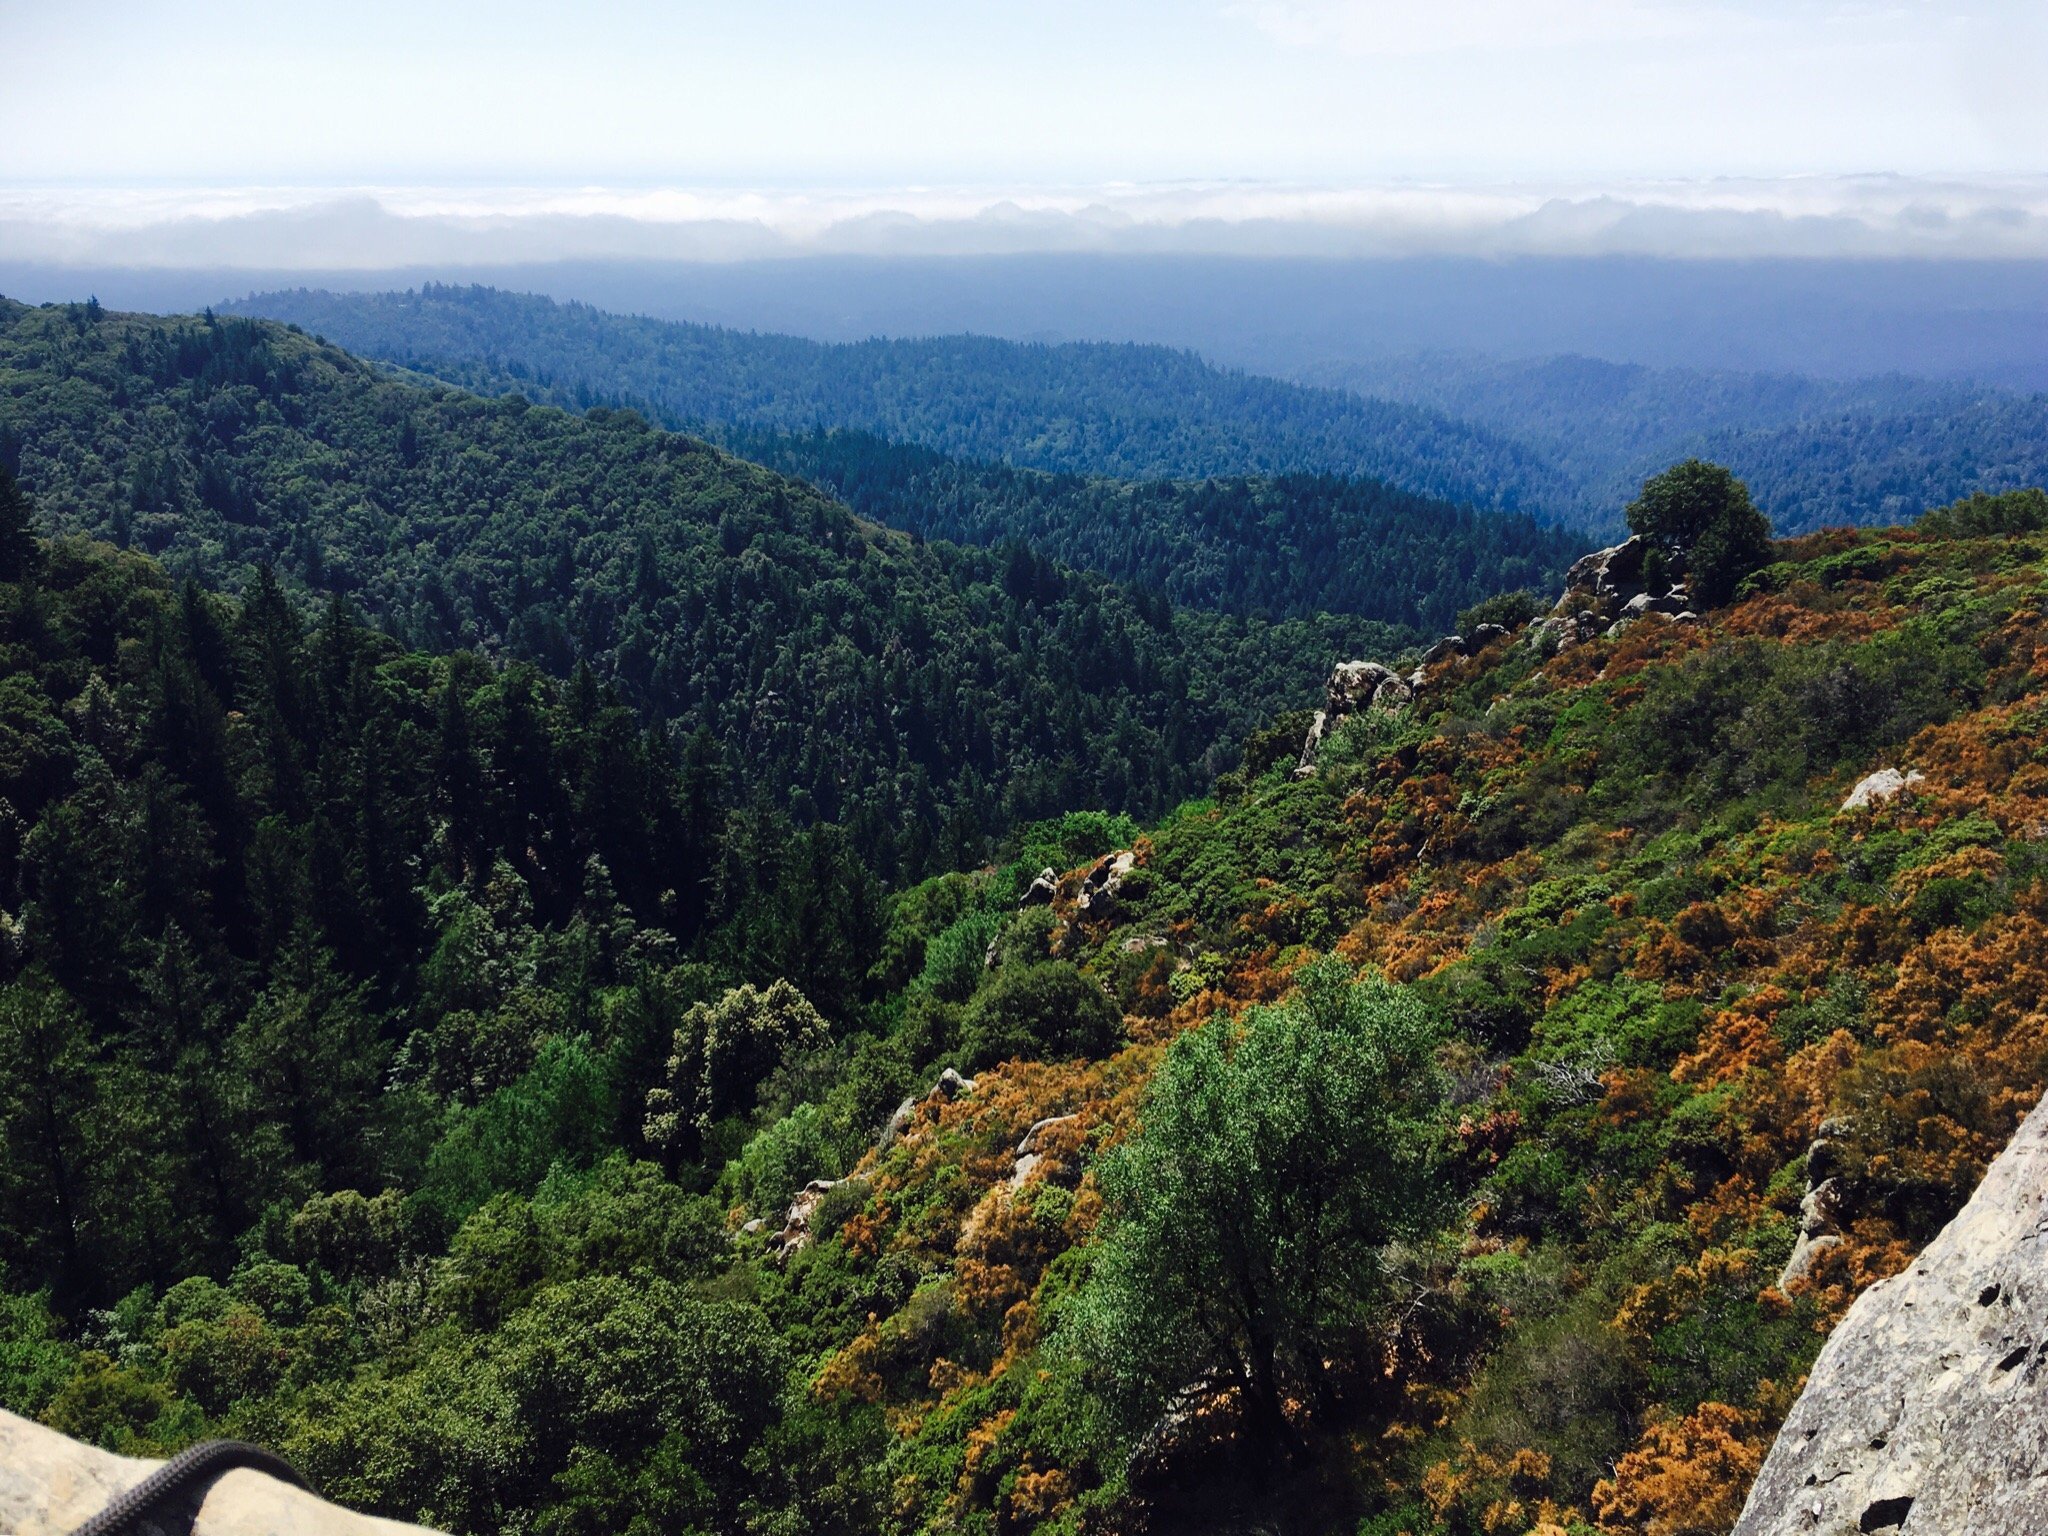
1885, 784
1104, 879
1820, 1226
1354, 686
1605, 592
1927, 1411
1028, 1154
950, 1086
796, 1234
1481, 637
51, 1485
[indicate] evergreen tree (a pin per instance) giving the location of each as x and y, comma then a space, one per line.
19, 553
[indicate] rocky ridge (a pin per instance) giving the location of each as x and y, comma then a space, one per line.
1605, 593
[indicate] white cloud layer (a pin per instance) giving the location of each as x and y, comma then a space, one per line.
1369, 27
1404, 27
365, 228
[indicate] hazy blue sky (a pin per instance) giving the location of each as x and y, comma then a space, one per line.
889, 92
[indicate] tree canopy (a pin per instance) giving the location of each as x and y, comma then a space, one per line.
1247, 1225
1703, 521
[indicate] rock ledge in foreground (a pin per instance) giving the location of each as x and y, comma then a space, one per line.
1927, 1411
50, 1485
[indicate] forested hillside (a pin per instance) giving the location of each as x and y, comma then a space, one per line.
1134, 412
1413, 1145
1567, 438
1279, 546
1815, 452
922, 696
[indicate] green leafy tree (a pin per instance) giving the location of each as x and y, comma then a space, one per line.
722, 1051
1246, 1224
1700, 514
603, 1405
1044, 1011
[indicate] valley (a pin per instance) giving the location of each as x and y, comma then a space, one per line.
570, 982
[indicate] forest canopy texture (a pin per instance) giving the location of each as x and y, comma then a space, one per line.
923, 696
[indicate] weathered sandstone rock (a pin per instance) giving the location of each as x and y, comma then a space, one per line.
1354, 686
50, 1485
1883, 785
1927, 1411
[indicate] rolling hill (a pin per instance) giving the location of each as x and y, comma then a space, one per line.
1122, 410
921, 695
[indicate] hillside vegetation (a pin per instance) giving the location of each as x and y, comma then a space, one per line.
923, 696
1416, 1145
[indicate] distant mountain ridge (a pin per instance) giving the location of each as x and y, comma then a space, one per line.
1122, 409
1815, 452
1567, 438
921, 695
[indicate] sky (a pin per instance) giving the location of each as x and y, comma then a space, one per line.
372, 121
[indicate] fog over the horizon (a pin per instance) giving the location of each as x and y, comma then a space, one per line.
385, 132
325, 228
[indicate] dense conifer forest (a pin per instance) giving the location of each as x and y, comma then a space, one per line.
478, 1070
921, 695
1281, 546
1128, 411
1567, 438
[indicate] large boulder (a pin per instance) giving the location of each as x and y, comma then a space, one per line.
1042, 889
1105, 878
796, 1234
1885, 784
51, 1485
1604, 593
1354, 686
1605, 578
1927, 1410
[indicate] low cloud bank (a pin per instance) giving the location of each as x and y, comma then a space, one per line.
329, 228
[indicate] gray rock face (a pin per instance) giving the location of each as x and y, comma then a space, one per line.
1042, 889
1353, 686
1885, 784
50, 1485
1028, 1155
1604, 594
951, 1085
796, 1233
1104, 879
1927, 1411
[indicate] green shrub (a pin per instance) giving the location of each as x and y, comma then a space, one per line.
1043, 1012
956, 959
1510, 610
779, 1161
